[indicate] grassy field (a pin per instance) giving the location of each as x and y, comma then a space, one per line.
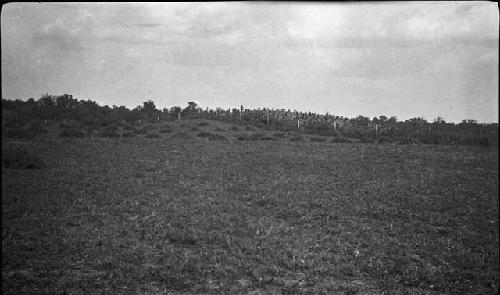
184, 212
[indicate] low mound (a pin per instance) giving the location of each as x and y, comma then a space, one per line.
18, 157
180, 135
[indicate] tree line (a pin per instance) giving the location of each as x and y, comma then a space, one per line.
378, 129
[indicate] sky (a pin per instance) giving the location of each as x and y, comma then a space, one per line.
403, 59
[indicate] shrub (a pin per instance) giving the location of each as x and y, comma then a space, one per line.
384, 139
73, 132
219, 129
108, 133
203, 124
152, 135
17, 157
249, 128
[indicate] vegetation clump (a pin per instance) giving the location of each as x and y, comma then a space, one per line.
181, 135
73, 132
18, 157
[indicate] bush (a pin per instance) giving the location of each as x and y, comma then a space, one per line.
219, 129
152, 135
249, 128
108, 133
73, 132
17, 157
203, 124
384, 139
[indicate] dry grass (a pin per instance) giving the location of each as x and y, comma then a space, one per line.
131, 215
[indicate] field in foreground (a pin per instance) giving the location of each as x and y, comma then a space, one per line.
160, 215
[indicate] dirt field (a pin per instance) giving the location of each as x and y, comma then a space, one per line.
186, 214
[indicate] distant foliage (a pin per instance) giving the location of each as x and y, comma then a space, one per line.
68, 112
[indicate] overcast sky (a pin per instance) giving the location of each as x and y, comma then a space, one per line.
403, 59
